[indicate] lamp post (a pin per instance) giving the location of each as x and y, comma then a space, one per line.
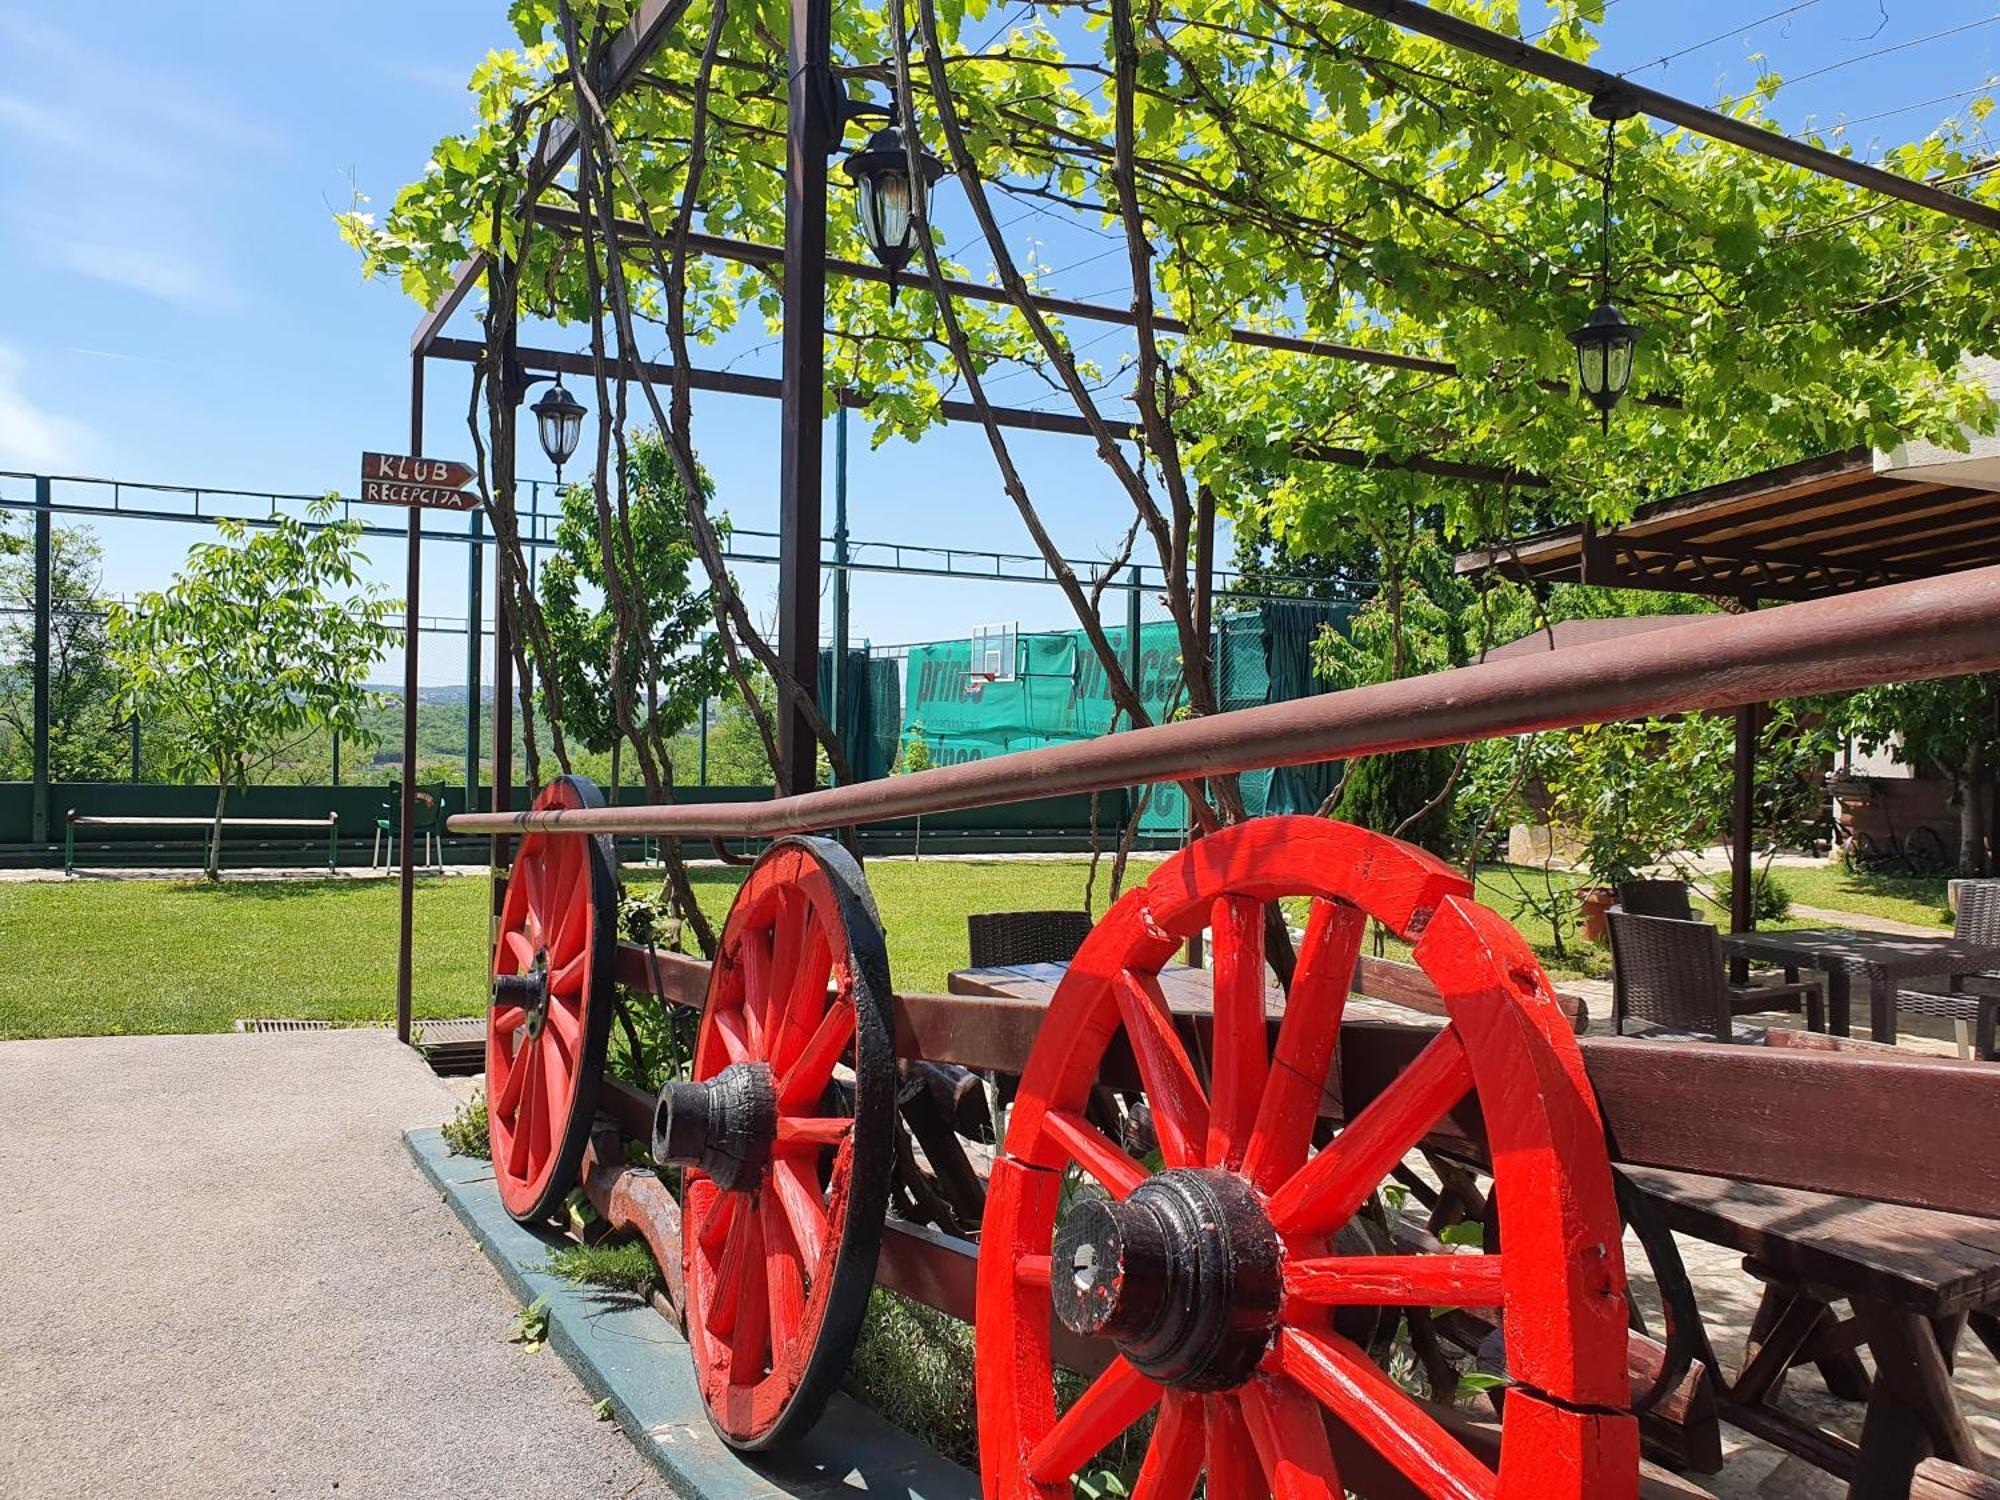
1606, 341
816, 117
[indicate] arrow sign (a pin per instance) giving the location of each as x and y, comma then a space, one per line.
404, 479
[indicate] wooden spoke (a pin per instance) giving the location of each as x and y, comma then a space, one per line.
1173, 1458
805, 1000
507, 1102
807, 1131
750, 1343
567, 940
784, 1277
787, 933
567, 1027
1289, 1433
809, 1075
1094, 1151
1237, 968
529, 1126
528, 871
1173, 1092
520, 950
555, 1081
722, 1212
567, 981
1032, 1270
1112, 1403
521, 1109
797, 1188
1396, 1281
729, 1027
1383, 1415
1303, 1054
1323, 1194
733, 1270
507, 1020
757, 981
1232, 1461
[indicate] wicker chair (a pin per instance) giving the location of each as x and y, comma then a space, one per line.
1656, 898
1671, 974
1972, 1003
1025, 937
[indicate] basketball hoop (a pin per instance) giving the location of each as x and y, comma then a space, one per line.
975, 683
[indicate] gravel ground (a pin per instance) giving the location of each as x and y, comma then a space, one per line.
223, 1277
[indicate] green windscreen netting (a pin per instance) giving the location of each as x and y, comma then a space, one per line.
1058, 693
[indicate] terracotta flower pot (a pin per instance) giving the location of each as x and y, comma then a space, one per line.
1594, 901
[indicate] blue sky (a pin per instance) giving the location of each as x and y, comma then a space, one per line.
178, 308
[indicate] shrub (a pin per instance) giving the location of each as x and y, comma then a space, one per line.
1769, 901
465, 1132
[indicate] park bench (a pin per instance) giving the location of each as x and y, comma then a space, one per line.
330, 823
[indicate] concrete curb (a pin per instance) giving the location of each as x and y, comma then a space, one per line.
625, 1352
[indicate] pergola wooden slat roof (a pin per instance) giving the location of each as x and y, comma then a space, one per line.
1825, 526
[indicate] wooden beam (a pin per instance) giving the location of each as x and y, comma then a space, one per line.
1519, 55
620, 64
1755, 1114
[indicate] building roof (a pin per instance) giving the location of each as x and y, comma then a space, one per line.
1825, 526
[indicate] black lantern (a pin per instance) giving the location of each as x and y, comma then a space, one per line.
559, 417
881, 174
1607, 339
1604, 348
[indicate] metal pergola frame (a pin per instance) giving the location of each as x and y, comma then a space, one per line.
803, 267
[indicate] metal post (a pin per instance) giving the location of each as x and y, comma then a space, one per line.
336, 757
1742, 909
702, 764
812, 124
38, 831
475, 578
836, 704
1133, 625
408, 804
136, 762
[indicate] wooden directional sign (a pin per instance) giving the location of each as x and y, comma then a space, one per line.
401, 479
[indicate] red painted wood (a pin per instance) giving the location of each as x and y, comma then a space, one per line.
533, 1083
1237, 1105
1288, 1431
1396, 1280
1173, 1459
757, 1264
1236, 936
1304, 1048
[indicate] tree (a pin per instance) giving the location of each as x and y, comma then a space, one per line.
86, 740
665, 677
1949, 727
262, 639
1341, 182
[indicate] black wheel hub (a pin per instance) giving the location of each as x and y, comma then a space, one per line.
1184, 1276
724, 1125
530, 991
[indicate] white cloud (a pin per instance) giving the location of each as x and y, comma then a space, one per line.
163, 275
31, 438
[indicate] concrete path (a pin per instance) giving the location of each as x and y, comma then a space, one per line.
222, 1277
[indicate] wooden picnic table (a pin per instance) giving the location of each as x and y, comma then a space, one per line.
1913, 1278
1883, 959
1187, 990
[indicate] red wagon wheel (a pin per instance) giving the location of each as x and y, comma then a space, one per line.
550, 1016
1222, 1283
787, 1135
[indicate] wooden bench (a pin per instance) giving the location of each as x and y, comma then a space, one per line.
1938, 1480
330, 823
1913, 1278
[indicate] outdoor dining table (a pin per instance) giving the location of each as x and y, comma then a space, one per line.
1885, 960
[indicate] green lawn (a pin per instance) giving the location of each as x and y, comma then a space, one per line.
107, 957
1900, 898
102, 957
